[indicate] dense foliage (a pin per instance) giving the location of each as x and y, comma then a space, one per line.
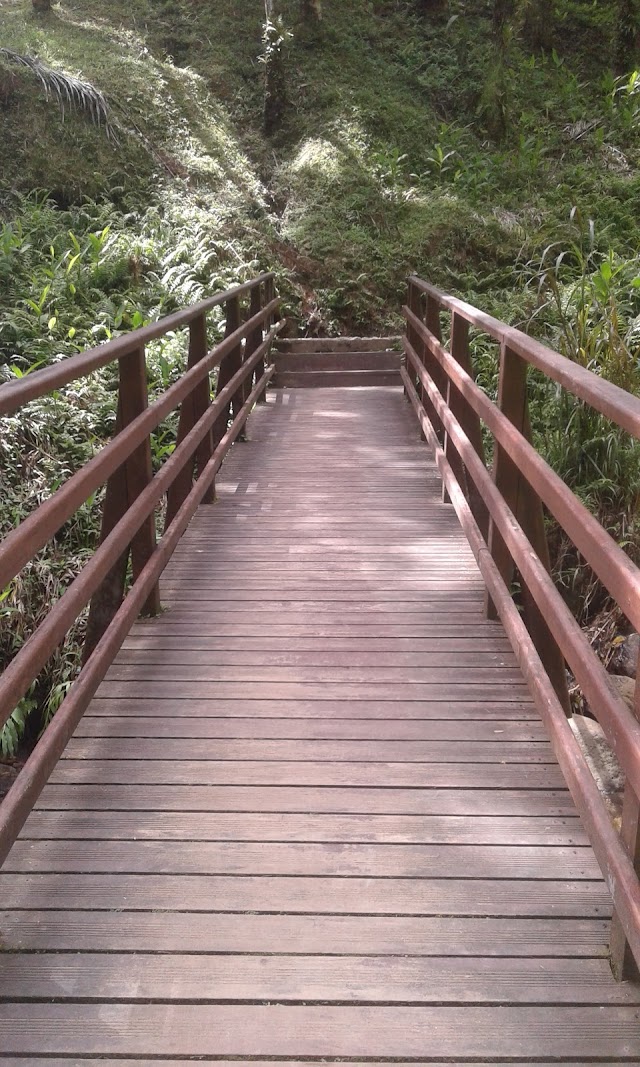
491, 146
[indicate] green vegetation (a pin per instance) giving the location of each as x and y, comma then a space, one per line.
492, 148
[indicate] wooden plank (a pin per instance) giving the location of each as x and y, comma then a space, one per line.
281, 772
390, 647
429, 896
234, 826
87, 977
399, 709
335, 379
220, 749
154, 726
334, 935
458, 691
305, 658
203, 626
296, 597
80, 1061
402, 676
275, 1030
455, 604
362, 359
336, 344
315, 860
380, 801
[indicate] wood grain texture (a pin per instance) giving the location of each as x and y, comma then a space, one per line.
278, 1030
234, 826
311, 814
307, 979
334, 935
528, 803
454, 896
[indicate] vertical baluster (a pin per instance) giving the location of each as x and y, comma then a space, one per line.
467, 417
229, 366
623, 964
254, 340
439, 375
457, 404
193, 408
527, 507
123, 488
415, 303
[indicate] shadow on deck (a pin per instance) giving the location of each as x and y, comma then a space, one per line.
312, 812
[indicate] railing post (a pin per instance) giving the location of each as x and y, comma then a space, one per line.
623, 964
467, 418
416, 306
439, 375
269, 294
229, 366
123, 488
193, 408
527, 507
254, 340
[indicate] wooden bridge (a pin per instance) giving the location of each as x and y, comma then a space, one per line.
323, 806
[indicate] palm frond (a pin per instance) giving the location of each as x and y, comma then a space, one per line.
66, 89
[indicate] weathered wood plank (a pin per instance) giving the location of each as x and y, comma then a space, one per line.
316, 860
281, 772
157, 726
334, 752
334, 935
451, 690
363, 801
429, 896
234, 826
336, 344
399, 709
279, 1030
89, 977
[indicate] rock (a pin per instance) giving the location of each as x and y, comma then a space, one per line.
626, 688
602, 761
625, 657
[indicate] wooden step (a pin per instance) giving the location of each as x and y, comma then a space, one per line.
337, 344
332, 361
334, 379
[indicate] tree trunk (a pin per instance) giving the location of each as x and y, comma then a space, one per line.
275, 86
311, 10
538, 24
627, 41
503, 10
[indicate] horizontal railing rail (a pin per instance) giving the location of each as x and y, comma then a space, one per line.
502, 512
133, 493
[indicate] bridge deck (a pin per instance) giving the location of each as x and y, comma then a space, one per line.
312, 812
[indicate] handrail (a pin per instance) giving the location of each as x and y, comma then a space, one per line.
14, 395
609, 399
501, 511
128, 516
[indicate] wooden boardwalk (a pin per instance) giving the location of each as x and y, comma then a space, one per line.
312, 813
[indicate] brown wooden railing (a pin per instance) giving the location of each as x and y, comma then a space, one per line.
132, 496
502, 513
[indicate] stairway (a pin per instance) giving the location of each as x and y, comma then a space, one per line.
311, 362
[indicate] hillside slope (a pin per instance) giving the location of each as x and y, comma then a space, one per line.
409, 140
